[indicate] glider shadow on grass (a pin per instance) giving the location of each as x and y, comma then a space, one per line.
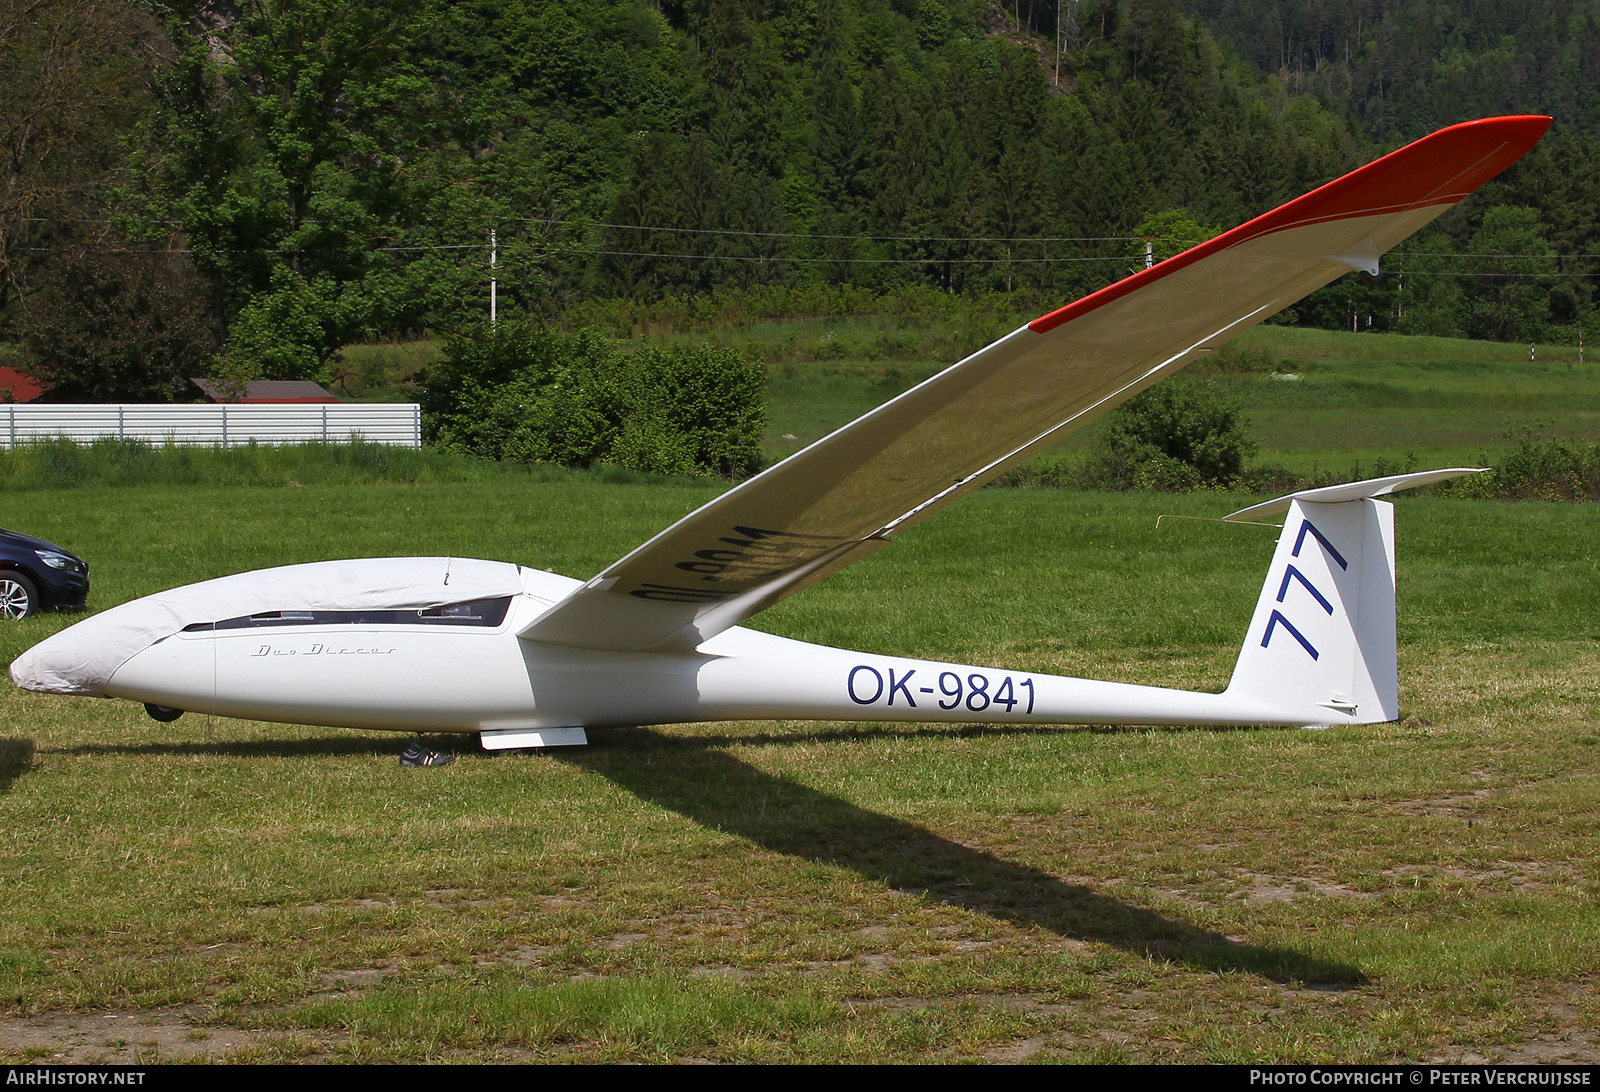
695, 778
713, 788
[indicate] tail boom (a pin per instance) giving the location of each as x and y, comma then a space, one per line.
762, 677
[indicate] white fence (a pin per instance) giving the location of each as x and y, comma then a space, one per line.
229, 425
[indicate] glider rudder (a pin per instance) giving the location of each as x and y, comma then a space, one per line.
1323, 631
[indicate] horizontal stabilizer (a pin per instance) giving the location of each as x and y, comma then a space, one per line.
1372, 487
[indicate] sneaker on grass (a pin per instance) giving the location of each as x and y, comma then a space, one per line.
418, 755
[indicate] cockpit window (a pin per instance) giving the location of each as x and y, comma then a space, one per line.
477, 612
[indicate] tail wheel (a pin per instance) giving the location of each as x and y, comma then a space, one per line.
18, 597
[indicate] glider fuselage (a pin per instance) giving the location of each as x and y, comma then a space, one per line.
424, 671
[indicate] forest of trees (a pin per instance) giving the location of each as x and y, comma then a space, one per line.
254, 184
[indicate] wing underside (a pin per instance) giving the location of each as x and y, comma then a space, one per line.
843, 497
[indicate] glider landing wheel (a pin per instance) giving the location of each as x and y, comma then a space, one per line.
166, 714
18, 597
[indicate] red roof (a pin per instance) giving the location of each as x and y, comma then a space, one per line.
16, 387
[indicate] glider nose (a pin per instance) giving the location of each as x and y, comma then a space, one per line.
31, 669
63, 663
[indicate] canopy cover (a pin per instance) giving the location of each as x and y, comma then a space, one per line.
82, 658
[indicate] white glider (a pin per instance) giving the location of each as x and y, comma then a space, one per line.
528, 658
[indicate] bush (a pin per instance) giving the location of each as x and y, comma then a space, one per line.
1536, 468
282, 333
117, 326
1238, 358
1180, 434
701, 410
531, 395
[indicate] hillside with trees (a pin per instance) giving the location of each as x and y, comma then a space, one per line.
264, 182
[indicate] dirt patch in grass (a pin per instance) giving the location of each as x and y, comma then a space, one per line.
1526, 875
114, 1038
1459, 804
1257, 889
351, 981
1021, 1051
1560, 1030
520, 957
722, 971
1570, 1033
446, 898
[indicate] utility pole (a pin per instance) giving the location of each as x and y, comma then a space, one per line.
494, 257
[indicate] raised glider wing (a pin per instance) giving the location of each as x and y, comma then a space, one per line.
531, 659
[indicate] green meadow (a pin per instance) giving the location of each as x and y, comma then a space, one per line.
803, 892
1317, 400
1446, 401
1320, 401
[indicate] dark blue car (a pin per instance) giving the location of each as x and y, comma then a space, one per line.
36, 575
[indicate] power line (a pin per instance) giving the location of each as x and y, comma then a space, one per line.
557, 249
1448, 273
722, 231
859, 238
823, 261
743, 233
437, 246
781, 258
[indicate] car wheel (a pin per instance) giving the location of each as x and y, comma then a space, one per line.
18, 597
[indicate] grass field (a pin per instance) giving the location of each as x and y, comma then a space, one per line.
1339, 399
1362, 397
814, 892
1354, 399
1336, 399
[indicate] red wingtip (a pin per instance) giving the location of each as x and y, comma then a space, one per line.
1439, 169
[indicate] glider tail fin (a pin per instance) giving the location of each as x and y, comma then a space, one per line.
1324, 628
1323, 632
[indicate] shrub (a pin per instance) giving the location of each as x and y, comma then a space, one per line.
531, 395
1238, 358
1537, 468
704, 406
283, 333
1180, 434
117, 326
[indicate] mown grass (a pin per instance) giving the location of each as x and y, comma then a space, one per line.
1362, 397
815, 892
1324, 401
1354, 399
